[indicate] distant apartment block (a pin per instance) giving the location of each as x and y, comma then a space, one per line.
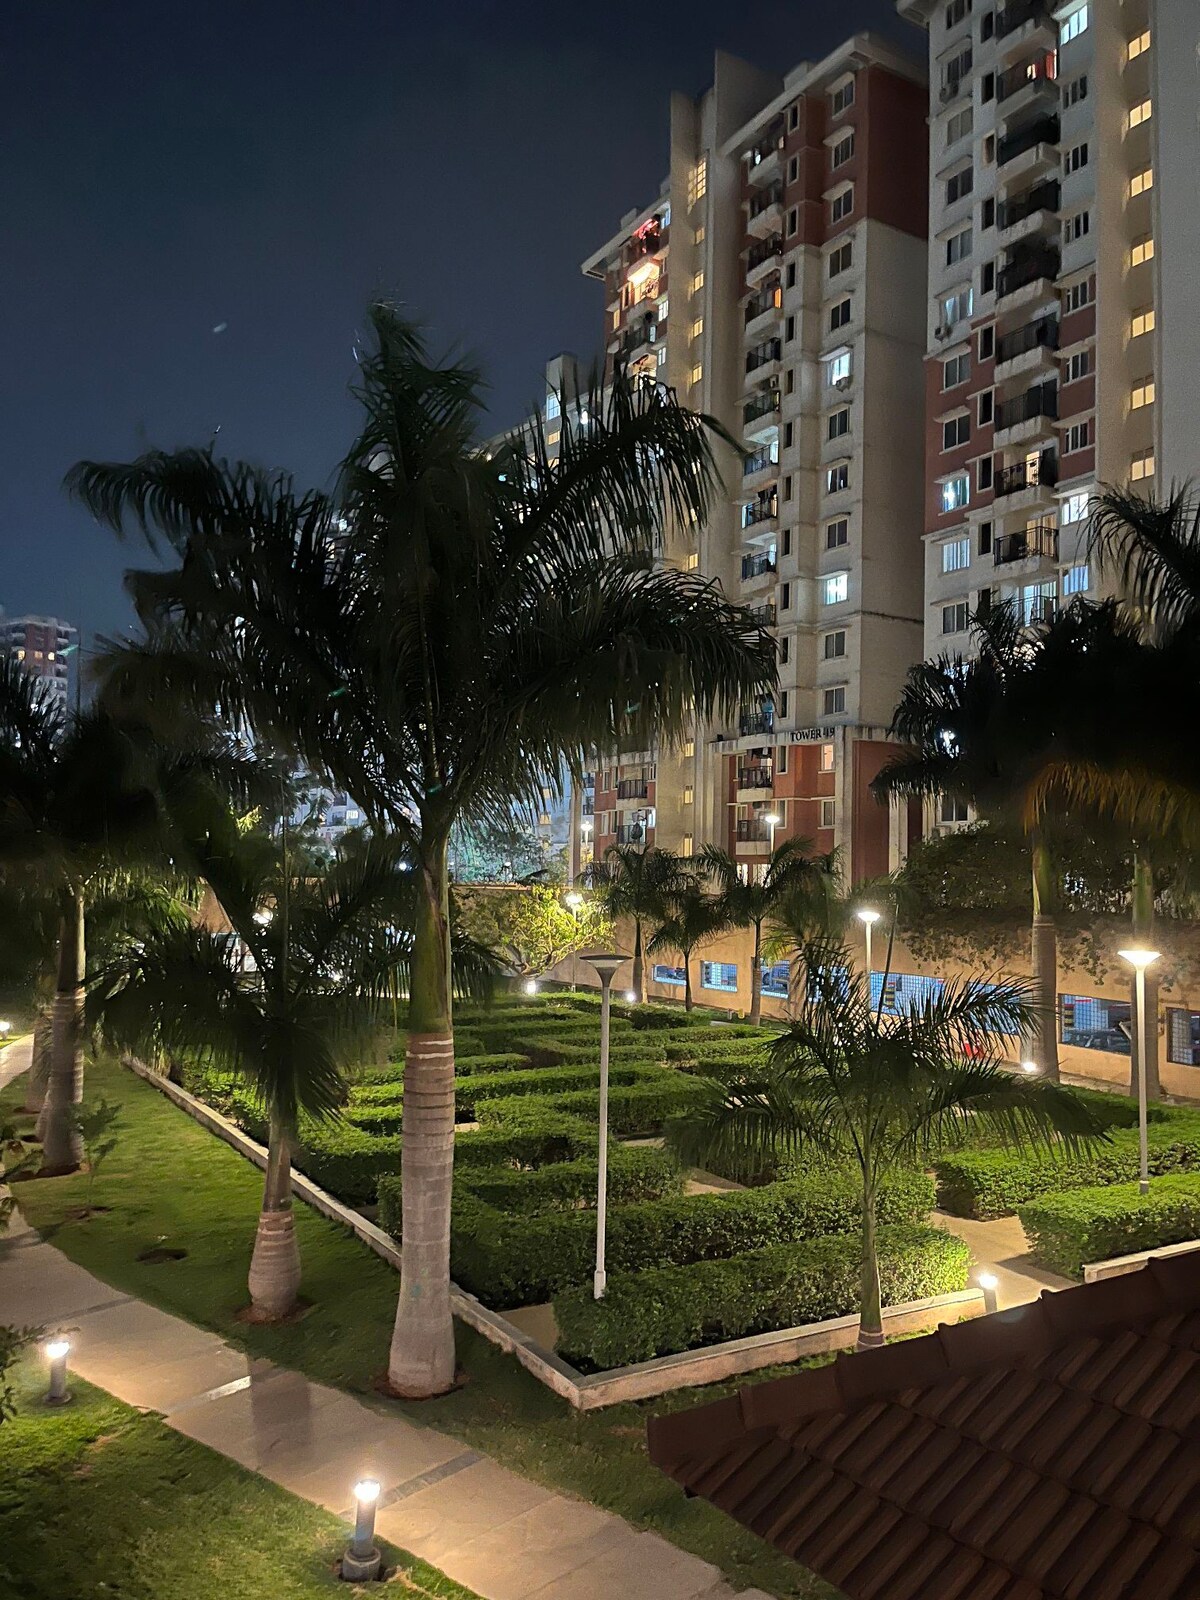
43, 646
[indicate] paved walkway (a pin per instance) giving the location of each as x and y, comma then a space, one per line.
505, 1537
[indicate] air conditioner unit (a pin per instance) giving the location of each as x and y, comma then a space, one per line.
842, 383
942, 331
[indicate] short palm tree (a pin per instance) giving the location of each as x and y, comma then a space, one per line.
791, 877
689, 919
636, 881
449, 627
845, 1083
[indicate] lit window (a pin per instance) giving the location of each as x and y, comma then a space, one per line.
687, 847
1142, 251
1140, 113
833, 701
697, 372
698, 182
956, 493
1142, 394
837, 368
1142, 322
1142, 466
553, 438
691, 561
689, 794
553, 406
1075, 580
689, 748
718, 975
826, 758
837, 477
1073, 509
697, 281
699, 234
835, 588
1141, 181
956, 555
1138, 46
1071, 27
697, 327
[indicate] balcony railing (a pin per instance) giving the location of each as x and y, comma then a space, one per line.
758, 253
1015, 16
760, 511
764, 615
755, 566
763, 405
646, 243
631, 832
1039, 540
763, 354
771, 300
1026, 269
643, 332
633, 789
765, 148
771, 196
1043, 332
588, 807
1011, 480
1040, 72
752, 832
1043, 131
1041, 401
759, 462
754, 778
1041, 197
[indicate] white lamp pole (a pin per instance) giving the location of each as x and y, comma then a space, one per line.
574, 900
605, 964
772, 820
1146, 1037
868, 918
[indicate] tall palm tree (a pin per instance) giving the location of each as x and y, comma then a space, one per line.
689, 918
846, 1083
791, 877
636, 881
446, 629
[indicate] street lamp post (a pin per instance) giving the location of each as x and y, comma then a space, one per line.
605, 964
1146, 1037
772, 820
868, 918
574, 900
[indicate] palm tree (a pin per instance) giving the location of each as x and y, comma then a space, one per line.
846, 1084
637, 881
449, 627
689, 918
794, 883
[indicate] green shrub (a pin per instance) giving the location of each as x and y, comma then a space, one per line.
634, 1110
381, 1085
1068, 1230
384, 1112
993, 1183
647, 1314
512, 1260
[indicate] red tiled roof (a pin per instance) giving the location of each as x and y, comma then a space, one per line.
1049, 1451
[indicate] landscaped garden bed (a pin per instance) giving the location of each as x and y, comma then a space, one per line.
1077, 1226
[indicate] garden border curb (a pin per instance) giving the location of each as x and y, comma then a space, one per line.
589, 1391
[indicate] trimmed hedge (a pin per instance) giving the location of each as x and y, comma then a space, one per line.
648, 1314
993, 1183
379, 1085
523, 1260
1070, 1229
634, 1110
384, 1112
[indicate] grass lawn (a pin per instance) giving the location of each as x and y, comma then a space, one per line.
171, 1183
100, 1499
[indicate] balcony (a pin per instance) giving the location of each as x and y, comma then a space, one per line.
765, 403
763, 616
1041, 472
642, 334
633, 789
760, 511
649, 240
632, 832
763, 355
765, 211
755, 777
1017, 15
1037, 139
1031, 267
756, 566
1033, 211
751, 831
767, 303
1035, 404
761, 461
1038, 76
1042, 334
763, 258
1032, 543
762, 160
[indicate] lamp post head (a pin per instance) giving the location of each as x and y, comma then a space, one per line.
867, 916
1139, 959
5, 1028
366, 1490
988, 1280
604, 963
1029, 1066
574, 899
57, 1349
530, 986
772, 819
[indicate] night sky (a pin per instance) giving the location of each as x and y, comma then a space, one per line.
265, 167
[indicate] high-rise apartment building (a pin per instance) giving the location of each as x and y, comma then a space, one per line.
777, 284
43, 646
1063, 335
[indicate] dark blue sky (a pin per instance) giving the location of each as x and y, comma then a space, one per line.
272, 164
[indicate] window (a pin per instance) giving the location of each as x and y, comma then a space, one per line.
673, 976
841, 258
793, 169
956, 493
833, 701
697, 327
987, 88
1078, 296
835, 588
956, 431
697, 372
987, 25
839, 314
781, 759
985, 540
697, 281
692, 561
1091, 1024
687, 847
839, 424
785, 596
1140, 113
1075, 158
837, 477
952, 809
1138, 46
1142, 251
987, 277
553, 406
843, 204
958, 246
698, 236
834, 645
1142, 394
1039, 602
774, 980
1079, 436
689, 749
1071, 27
1142, 322
956, 617
828, 812
987, 343
1078, 365
793, 221
1142, 466
1141, 181
837, 368
987, 405
793, 117
842, 98
1075, 580
698, 181
789, 330
959, 184
785, 648
987, 212
1075, 91
789, 380
983, 475
960, 124
955, 371
826, 758
843, 150
957, 307
719, 975
837, 533
1073, 509
956, 555
1077, 226
956, 11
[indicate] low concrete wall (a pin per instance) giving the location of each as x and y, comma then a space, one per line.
1118, 1266
589, 1391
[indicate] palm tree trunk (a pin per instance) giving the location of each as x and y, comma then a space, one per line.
870, 1304
275, 1263
756, 977
1142, 908
687, 981
1044, 963
38, 1076
639, 973
421, 1363
62, 1143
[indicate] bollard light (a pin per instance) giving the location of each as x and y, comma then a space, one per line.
574, 899
530, 986
5, 1030
989, 1283
631, 997
1029, 1066
362, 1560
57, 1351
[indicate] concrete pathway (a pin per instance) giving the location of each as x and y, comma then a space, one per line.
1000, 1247
501, 1535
